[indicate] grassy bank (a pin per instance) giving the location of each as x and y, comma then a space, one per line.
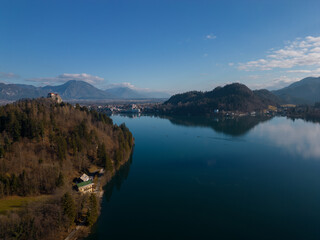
15, 202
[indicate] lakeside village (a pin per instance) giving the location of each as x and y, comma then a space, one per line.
136, 109
152, 108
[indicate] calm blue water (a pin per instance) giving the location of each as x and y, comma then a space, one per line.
207, 179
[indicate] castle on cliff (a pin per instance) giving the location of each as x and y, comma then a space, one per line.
55, 96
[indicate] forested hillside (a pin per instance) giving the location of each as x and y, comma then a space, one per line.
43, 146
232, 97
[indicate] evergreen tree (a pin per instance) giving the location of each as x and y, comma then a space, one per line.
109, 164
61, 148
60, 180
14, 184
69, 208
1, 151
104, 158
82, 130
92, 210
1, 189
102, 154
118, 156
23, 184
15, 130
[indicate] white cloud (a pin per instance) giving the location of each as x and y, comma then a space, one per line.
310, 72
316, 49
6, 76
82, 77
123, 84
276, 83
253, 77
299, 71
67, 77
299, 53
231, 64
211, 36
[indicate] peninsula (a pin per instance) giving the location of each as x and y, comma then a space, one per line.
45, 146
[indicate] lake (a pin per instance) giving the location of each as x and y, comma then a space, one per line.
199, 178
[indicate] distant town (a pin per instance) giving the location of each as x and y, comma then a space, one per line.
153, 108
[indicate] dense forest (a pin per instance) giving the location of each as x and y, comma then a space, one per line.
43, 147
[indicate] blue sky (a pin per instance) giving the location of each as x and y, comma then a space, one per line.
169, 45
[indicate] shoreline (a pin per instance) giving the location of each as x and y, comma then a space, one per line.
81, 232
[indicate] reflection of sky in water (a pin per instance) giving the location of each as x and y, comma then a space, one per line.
297, 137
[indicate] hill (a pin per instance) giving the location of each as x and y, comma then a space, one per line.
305, 91
130, 93
267, 96
232, 97
43, 147
78, 90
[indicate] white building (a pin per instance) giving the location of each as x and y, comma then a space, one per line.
84, 177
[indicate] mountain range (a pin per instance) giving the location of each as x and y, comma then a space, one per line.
306, 91
69, 90
74, 90
238, 97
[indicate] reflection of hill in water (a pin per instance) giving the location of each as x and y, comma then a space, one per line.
234, 127
121, 175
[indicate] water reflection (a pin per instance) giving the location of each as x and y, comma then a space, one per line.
118, 179
298, 137
128, 115
186, 188
230, 126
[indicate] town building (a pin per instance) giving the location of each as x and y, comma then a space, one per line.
85, 187
84, 178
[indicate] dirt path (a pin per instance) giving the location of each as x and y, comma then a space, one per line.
74, 234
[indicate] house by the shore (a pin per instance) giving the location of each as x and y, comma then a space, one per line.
85, 187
